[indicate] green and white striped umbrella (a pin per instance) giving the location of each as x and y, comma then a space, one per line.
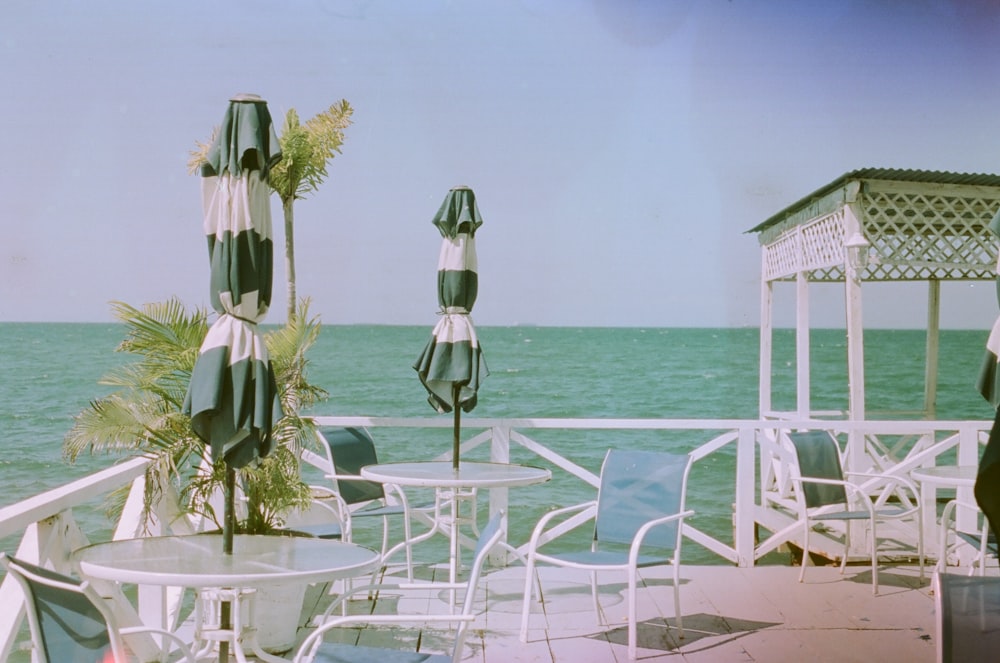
452, 365
233, 399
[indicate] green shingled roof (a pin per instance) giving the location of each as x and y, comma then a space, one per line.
893, 174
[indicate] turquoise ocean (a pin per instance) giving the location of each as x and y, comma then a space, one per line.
51, 372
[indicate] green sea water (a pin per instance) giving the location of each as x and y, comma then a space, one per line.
51, 372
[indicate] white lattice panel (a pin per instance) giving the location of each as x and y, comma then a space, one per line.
915, 235
816, 246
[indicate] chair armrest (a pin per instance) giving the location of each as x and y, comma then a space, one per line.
950, 523
894, 478
346, 477
851, 488
543, 523
650, 524
892, 483
340, 511
174, 638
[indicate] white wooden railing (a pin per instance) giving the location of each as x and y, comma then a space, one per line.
47, 532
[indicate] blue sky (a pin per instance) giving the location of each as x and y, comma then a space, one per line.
618, 148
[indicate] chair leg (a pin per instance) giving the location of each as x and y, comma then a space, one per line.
847, 546
805, 552
874, 559
529, 582
595, 598
677, 599
407, 533
920, 542
632, 614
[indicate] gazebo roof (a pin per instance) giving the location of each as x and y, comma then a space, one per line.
807, 207
918, 224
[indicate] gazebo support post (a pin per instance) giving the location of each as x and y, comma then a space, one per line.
802, 347
933, 345
766, 345
855, 348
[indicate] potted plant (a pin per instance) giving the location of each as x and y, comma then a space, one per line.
143, 416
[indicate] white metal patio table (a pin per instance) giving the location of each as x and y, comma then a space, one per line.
197, 561
445, 479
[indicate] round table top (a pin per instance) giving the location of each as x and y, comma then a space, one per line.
954, 476
441, 474
198, 561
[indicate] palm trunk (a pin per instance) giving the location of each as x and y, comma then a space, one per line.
287, 208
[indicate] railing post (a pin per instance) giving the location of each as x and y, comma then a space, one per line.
499, 453
746, 481
968, 454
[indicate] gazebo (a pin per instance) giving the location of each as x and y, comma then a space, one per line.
874, 225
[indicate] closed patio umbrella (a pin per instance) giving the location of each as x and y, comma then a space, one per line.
451, 366
233, 399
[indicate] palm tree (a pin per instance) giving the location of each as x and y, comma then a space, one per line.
305, 151
144, 414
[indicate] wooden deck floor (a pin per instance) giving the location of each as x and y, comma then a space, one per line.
729, 614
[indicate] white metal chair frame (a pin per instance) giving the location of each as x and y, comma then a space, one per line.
116, 634
609, 560
395, 502
979, 540
856, 505
311, 648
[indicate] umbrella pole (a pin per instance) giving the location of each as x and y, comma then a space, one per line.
228, 525
456, 390
228, 517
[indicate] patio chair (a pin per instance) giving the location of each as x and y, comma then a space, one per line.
824, 494
981, 539
967, 611
314, 649
347, 451
70, 622
638, 521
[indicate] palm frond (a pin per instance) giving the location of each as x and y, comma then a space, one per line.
199, 154
306, 149
144, 413
162, 331
288, 347
326, 131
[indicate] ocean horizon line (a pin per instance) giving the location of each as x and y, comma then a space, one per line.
521, 325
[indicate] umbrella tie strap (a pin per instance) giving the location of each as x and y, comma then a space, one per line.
452, 310
231, 314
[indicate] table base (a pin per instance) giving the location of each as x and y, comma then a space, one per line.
241, 635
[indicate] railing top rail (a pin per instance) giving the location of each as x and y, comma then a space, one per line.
868, 426
18, 516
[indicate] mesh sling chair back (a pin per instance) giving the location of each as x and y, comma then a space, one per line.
967, 610
638, 523
347, 451
70, 622
824, 493
315, 650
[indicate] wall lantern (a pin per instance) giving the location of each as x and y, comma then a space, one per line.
857, 251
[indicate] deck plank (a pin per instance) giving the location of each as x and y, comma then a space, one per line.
729, 614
